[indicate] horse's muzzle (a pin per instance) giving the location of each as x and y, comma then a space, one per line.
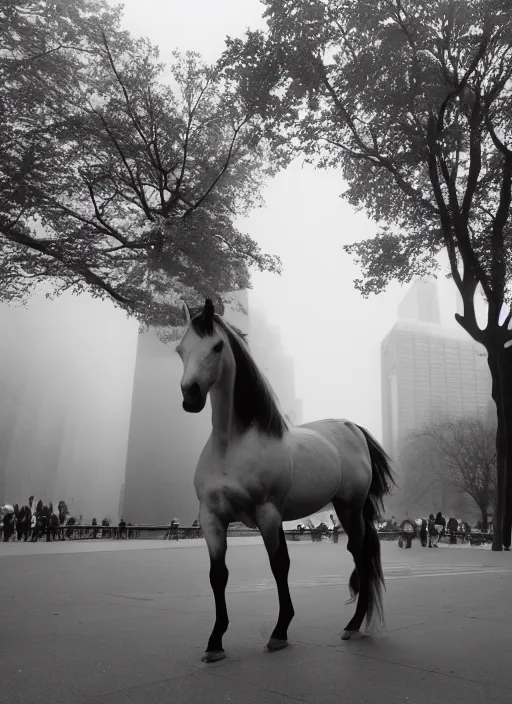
194, 406
193, 398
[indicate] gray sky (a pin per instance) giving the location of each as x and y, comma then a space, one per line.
333, 333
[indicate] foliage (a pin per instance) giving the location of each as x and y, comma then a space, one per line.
412, 100
63, 511
110, 179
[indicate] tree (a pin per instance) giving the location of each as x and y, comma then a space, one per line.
461, 451
112, 181
63, 512
412, 100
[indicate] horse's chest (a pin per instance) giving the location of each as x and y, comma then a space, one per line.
234, 484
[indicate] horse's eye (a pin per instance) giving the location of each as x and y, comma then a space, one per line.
218, 347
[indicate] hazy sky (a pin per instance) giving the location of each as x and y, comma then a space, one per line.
333, 333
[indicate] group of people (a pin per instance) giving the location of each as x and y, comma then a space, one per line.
435, 527
29, 522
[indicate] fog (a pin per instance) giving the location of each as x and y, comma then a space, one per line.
68, 365
65, 390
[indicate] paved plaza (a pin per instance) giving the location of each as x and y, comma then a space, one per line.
120, 622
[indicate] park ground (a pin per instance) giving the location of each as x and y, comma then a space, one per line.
127, 622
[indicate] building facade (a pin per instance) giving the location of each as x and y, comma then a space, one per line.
428, 372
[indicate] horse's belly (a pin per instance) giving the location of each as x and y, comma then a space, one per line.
316, 475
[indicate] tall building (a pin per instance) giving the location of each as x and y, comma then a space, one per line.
165, 442
421, 303
428, 372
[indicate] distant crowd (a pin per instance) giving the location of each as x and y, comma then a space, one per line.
430, 530
37, 521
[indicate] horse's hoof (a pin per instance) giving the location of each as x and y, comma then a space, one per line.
213, 656
347, 635
275, 644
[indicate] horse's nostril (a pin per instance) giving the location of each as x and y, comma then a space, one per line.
192, 390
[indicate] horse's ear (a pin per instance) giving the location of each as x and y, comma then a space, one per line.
186, 313
209, 309
208, 313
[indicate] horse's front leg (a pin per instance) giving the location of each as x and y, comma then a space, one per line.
215, 532
269, 522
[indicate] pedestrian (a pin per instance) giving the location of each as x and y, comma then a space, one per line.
8, 523
407, 533
440, 525
423, 532
335, 528
122, 529
431, 530
452, 527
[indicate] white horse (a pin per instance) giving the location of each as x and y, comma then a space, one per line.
257, 469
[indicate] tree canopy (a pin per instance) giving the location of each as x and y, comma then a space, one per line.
412, 101
113, 180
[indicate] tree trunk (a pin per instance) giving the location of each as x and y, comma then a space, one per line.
507, 406
484, 514
496, 369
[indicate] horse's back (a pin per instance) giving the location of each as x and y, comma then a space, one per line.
341, 469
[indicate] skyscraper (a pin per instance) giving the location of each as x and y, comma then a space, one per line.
428, 372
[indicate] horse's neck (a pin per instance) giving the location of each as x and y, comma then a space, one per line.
223, 418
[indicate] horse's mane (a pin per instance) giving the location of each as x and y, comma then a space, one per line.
254, 399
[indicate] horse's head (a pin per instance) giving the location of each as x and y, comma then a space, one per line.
204, 350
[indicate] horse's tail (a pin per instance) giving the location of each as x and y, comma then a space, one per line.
383, 480
382, 484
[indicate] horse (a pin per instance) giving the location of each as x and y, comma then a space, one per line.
259, 469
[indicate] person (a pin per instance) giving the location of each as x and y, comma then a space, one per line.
8, 523
175, 524
335, 528
440, 525
423, 532
53, 526
431, 530
95, 530
23, 523
122, 529
407, 533
453, 527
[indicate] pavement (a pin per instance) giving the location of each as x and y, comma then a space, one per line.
126, 622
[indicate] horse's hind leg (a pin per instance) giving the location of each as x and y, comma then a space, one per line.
270, 525
353, 522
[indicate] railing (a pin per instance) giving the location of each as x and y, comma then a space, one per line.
159, 532
163, 532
